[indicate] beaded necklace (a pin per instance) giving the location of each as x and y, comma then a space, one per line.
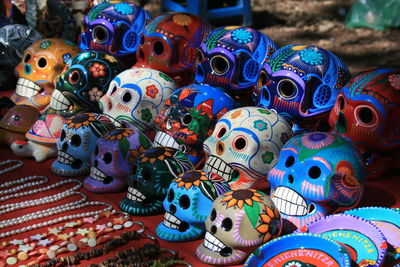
18, 164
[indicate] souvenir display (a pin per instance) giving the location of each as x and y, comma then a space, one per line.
245, 145
303, 84
150, 178
113, 158
232, 58
240, 221
82, 84
114, 28
77, 141
16, 122
317, 174
189, 117
41, 63
188, 203
367, 111
136, 96
169, 44
364, 242
42, 138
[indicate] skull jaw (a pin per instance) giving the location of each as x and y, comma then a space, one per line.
140, 209
214, 258
110, 183
169, 234
66, 169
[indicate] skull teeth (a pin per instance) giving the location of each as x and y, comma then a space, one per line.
213, 243
97, 174
163, 139
289, 202
218, 166
59, 101
171, 221
135, 195
65, 158
26, 88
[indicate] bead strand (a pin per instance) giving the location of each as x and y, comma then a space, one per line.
18, 164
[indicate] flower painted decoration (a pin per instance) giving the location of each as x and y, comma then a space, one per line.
239, 222
367, 112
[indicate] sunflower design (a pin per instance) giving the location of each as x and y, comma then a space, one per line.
118, 134
133, 153
191, 178
80, 120
269, 226
317, 140
241, 196
182, 19
156, 153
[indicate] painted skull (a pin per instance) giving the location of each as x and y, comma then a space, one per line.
367, 111
303, 84
245, 145
189, 117
188, 203
317, 174
85, 80
112, 160
41, 63
239, 222
136, 96
114, 28
150, 178
77, 141
169, 44
232, 58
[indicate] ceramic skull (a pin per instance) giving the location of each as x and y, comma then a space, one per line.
136, 96
240, 221
317, 174
232, 58
84, 81
303, 84
41, 63
150, 178
189, 117
77, 141
188, 203
112, 160
245, 145
169, 44
367, 111
114, 28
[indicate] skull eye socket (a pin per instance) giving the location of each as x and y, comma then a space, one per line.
100, 34
76, 140
96, 150
287, 89
142, 40
186, 119
314, 172
170, 196
63, 135
262, 79
126, 97
341, 102
221, 132
365, 114
133, 170
226, 224
199, 56
27, 58
158, 48
213, 215
146, 175
114, 89
74, 77
219, 64
42, 62
289, 161
184, 202
107, 158
239, 143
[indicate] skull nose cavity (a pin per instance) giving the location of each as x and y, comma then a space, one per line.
76, 164
311, 208
109, 105
290, 179
213, 229
96, 163
64, 147
168, 125
172, 209
134, 183
341, 125
220, 148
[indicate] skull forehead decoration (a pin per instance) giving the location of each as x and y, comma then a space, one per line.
77, 141
188, 203
239, 221
153, 171
245, 145
189, 117
317, 174
170, 43
136, 96
232, 58
114, 28
85, 80
41, 63
303, 83
367, 111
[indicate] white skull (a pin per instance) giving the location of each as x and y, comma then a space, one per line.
245, 145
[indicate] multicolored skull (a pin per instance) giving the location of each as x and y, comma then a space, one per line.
189, 117
169, 44
240, 221
232, 58
41, 63
114, 28
136, 96
303, 84
317, 174
150, 178
77, 141
188, 203
245, 145
85, 80
367, 111
113, 158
